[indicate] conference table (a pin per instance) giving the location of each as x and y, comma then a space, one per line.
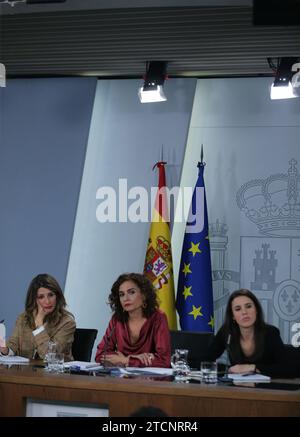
121, 396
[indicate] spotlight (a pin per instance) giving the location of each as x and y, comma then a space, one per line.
152, 91
282, 87
282, 91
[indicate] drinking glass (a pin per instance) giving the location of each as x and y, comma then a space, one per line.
55, 362
180, 365
51, 349
59, 362
209, 372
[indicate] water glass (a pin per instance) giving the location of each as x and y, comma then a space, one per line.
52, 347
209, 372
180, 365
55, 362
50, 359
59, 362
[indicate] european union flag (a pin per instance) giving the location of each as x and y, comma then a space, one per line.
194, 293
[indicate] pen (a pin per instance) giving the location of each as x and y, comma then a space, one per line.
248, 374
75, 368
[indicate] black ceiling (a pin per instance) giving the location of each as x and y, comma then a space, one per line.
195, 40
76, 5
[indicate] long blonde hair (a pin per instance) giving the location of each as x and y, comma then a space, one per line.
46, 281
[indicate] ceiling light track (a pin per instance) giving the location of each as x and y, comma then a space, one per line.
12, 3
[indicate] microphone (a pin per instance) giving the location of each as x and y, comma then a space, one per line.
106, 344
227, 356
225, 377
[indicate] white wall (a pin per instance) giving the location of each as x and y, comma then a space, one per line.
125, 142
44, 126
246, 136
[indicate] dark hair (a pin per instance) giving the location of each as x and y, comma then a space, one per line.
147, 290
46, 281
232, 328
149, 412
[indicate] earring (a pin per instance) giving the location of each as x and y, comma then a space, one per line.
144, 305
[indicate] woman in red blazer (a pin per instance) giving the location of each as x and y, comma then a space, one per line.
138, 333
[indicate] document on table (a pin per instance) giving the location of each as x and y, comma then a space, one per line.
83, 365
146, 371
91, 367
13, 359
253, 377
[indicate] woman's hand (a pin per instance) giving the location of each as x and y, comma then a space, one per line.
117, 359
243, 368
145, 358
4, 350
39, 316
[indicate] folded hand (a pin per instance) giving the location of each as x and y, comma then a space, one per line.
117, 359
242, 368
145, 358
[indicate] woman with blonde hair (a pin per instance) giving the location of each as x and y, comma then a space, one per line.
45, 318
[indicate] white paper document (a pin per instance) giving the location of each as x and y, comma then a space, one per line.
146, 370
84, 365
13, 359
195, 374
253, 377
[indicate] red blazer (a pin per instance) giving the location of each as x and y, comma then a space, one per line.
154, 337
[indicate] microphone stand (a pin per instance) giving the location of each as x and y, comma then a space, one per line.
106, 368
225, 378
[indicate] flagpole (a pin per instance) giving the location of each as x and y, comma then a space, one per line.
161, 159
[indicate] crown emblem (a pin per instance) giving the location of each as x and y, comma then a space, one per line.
163, 248
273, 203
218, 229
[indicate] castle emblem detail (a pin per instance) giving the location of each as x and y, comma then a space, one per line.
269, 260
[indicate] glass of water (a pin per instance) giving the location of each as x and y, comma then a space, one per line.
52, 347
59, 362
49, 355
209, 372
55, 362
180, 365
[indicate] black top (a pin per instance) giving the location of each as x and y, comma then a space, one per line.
276, 359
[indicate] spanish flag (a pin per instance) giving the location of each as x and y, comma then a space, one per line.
158, 263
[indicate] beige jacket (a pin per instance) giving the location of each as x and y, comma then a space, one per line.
24, 343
